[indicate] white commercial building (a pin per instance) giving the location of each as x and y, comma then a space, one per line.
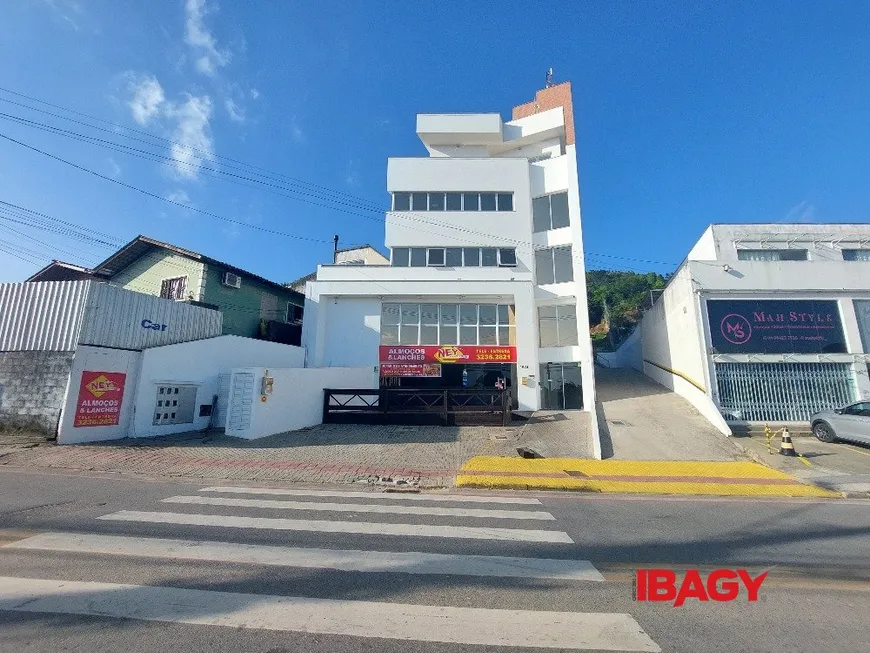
486, 281
763, 322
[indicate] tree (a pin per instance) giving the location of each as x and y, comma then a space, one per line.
617, 300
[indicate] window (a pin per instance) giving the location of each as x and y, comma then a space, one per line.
507, 258
436, 202
401, 201
436, 256
418, 201
856, 254
418, 257
557, 325
448, 324
487, 201
453, 257
550, 212
294, 313
454, 201
401, 257
772, 254
554, 265
175, 288
471, 201
505, 201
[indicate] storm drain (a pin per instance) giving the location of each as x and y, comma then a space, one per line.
576, 474
618, 422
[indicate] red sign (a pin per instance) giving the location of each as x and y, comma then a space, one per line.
447, 354
410, 369
721, 585
100, 397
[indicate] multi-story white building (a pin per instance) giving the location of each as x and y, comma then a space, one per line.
486, 281
763, 322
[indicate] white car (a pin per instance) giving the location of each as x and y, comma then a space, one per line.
849, 423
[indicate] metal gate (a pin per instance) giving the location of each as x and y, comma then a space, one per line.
782, 392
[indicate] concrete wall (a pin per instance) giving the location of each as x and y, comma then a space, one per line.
297, 397
200, 363
147, 273
352, 331
100, 359
32, 389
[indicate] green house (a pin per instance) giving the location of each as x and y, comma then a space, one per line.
252, 306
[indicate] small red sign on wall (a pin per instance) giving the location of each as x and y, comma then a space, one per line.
99, 400
447, 354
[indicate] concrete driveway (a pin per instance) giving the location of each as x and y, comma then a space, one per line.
642, 420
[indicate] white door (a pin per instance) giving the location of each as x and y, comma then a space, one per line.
220, 413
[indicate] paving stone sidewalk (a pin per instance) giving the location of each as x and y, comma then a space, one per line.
426, 455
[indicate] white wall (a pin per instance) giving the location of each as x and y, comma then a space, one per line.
297, 397
352, 333
99, 359
200, 363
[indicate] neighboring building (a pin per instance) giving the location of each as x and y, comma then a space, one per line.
764, 322
486, 278
358, 255
252, 306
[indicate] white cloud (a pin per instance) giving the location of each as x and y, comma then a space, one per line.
148, 98
192, 138
179, 195
352, 176
235, 112
114, 168
208, 57
255, 93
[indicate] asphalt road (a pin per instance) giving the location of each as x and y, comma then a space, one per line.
106, 564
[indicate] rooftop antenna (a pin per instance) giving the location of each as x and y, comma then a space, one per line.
334, 248
549, 78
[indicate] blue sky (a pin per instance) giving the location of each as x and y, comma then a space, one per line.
686, 114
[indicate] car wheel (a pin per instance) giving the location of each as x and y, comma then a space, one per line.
824, 432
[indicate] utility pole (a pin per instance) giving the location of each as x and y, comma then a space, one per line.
335, 249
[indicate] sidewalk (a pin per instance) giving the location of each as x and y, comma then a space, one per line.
642, 477
839, 466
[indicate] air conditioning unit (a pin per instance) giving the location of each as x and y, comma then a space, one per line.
232, 280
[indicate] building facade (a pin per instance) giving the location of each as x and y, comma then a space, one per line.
486, 283
765, 322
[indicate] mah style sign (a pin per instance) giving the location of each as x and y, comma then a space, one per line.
775, 327
100, 397
721, 585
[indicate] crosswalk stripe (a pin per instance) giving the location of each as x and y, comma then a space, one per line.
404, 496
343, 560
469, 626
359, 507
368, 528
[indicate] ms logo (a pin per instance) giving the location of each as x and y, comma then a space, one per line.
736, 329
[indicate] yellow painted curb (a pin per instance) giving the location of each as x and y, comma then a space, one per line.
639, 477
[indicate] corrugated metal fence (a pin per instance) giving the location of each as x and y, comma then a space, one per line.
42, 316
59, 315
782, 392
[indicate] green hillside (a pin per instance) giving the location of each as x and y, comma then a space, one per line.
616, 302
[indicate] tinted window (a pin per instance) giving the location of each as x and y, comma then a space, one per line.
470, 201
547, 326
487, 201
436, 256
505, 202
449, 314
567, 322
401, 201
390, 314
468, 314
454, 257
487, 314
436, 201
410, 314
454, 201
559, 210
401, 256
472, 256
541, 213
564, 264
489, 257
418, 201
544, 266
418, 257
507, 257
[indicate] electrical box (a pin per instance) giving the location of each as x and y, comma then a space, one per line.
266, 384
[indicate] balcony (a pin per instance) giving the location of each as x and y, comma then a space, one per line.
459, 128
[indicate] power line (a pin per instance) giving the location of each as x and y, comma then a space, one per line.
159, 197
